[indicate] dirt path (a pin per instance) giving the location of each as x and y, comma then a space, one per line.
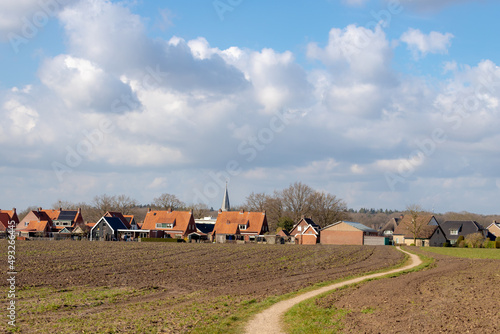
269, 321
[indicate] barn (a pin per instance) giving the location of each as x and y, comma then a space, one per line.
350, 233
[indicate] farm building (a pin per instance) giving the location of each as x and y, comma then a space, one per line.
350, 233
425, 231
239, 225
169, 224
305, 232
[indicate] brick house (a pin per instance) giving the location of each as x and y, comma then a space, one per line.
239, 225
168, 223
305, 232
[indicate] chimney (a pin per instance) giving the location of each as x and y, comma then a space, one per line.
79, 210
191, 210
401, 216
14, 210
60, 209
39, 209
242, 211
220, 210
149, 209
169, 210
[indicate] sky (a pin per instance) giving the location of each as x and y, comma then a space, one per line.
383, 103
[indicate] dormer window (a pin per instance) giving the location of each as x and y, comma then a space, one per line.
164, 225
242, 226
454, 232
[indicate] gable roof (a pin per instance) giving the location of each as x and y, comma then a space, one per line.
304, 221
12, 215
35, 226
464, 227
205, 228
391, 224
4, 221
119, 216
426, 231
114, 223
180, 219
357, 226
228, 222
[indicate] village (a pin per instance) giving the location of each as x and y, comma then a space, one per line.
242, 226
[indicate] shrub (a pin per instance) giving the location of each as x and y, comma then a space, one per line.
446, 244
459, 240
497, 242
474, 240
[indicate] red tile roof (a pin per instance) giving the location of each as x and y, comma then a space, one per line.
35, 226
228, 222
183, 221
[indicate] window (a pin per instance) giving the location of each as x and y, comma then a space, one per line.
164, 225
299, 228
242, 226
454, 232
388, 232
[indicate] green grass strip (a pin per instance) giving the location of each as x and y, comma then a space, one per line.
309, 317
469, 253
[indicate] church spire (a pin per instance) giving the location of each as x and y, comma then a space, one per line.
225, 201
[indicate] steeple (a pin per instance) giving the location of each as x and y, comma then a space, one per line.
225, 201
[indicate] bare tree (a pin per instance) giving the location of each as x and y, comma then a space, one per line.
200, 210
415, 226
327, 208
168, 201
257, 202
297, 200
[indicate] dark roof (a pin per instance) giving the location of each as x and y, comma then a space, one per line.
391, 225
205, 228
67, 215
115, 223
312, 223
464, 227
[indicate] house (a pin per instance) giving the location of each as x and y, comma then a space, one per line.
7, 216
169, 224
239, 225
424, 232
65, 218
494, 229
388, 229
350, 233
305, 232
454, 229
107, 228
57, 220
204, 229
37, 223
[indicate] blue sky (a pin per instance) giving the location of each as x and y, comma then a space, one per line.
382, 103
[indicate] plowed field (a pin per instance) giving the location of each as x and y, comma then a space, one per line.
119, 287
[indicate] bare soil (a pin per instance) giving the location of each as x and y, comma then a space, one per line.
120, 287
455, 295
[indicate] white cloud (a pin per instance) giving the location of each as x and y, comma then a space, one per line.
97, 90
421, 44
